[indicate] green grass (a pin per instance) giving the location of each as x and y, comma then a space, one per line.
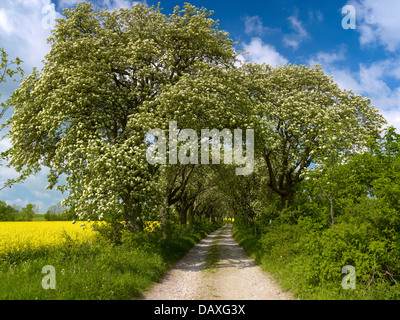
38, 217
213, 254
98, 270
287, 271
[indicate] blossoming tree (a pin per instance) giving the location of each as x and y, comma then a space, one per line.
86, 113
303, 117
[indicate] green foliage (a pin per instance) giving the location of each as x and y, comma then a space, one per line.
7, 71
5, 67
89, 108
86, 113
324, 193
303, 117
10, 213
59, 213
26, 214
7, 213
307, 253
100, 270
308, 261
64, 216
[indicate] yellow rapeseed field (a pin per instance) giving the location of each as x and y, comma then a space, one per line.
21, 236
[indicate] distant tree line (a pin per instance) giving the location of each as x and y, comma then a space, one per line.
57, 212
17, 213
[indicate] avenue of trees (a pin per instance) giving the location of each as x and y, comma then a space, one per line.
110, 77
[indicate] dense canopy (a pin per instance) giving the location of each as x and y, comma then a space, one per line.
111, 77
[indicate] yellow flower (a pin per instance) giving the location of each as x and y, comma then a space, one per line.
20, 236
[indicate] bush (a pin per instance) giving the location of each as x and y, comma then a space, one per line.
64, 215
7, 213
281, 241
307, 256
26, 214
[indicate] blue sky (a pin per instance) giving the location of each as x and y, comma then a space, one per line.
365, 59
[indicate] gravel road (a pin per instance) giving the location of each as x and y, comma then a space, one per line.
216, 268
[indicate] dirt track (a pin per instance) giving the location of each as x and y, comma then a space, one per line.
217, 268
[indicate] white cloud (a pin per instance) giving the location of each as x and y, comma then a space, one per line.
5, 144
298, 35
377, 81
329, 63
260, 52
33, 190
117, 4
23, 202
6, 172
393, 118
5, 25
378, 22
345, 79
67, 3
253, 26
25, 35
317, 15
107, 4
326, 58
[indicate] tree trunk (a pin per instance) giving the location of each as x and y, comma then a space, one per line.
331, 200
164, 215
191, 216
133, 221
285, 201
131, 216
183, 216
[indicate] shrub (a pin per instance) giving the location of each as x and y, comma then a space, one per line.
308, 254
